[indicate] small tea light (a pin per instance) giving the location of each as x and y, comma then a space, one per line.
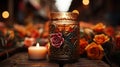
37, 52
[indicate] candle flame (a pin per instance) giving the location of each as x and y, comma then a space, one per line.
37, 45
63, 5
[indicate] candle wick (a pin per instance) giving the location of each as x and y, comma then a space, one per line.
37, 45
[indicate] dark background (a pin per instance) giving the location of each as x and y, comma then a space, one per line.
98, 10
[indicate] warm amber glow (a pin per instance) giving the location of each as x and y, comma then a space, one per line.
85, 2
63, 5
75, 11
5, 14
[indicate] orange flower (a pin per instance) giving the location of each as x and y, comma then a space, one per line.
83, 44
99, 27
101, 38
109, 31
94, 51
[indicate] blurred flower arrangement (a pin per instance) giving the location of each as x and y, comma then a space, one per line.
22, 35
7, 36
96, 42
32, 33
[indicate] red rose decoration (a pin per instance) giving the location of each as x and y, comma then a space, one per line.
56, 39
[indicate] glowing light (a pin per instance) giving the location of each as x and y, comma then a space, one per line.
85, 2
75, 11
37, 45
63, 5
5, 14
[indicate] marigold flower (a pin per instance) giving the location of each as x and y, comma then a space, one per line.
94, 51
101, 38
83, 44
99, 27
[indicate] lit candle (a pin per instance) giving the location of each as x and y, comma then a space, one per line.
37, 52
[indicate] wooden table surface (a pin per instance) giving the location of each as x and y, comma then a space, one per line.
21, 60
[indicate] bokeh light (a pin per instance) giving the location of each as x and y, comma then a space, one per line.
85, 2
5, 14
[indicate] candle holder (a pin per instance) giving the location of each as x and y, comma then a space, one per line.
64, 37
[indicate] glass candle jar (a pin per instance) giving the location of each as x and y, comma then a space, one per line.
64, 37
